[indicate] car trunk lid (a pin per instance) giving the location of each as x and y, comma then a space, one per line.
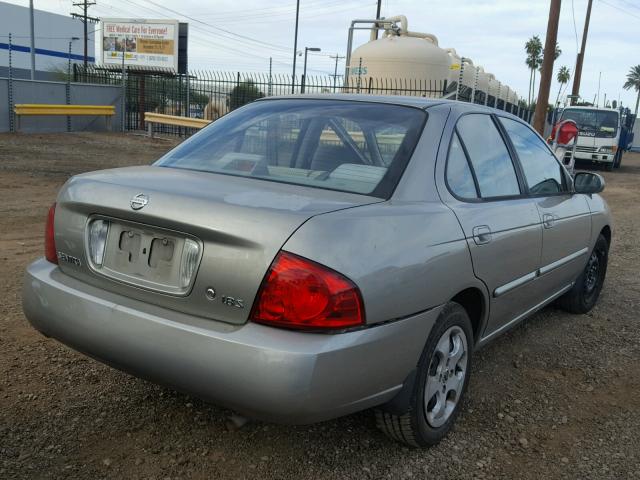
239, 224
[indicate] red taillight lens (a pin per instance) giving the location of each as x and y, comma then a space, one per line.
299, 293
50, 252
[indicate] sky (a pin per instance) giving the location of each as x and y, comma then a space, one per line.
241, 35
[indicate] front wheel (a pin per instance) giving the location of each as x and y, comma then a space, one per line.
585, 292
441, 381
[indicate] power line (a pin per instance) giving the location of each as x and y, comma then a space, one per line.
575, 27
85, 20
627, 12
195, 29
258, 41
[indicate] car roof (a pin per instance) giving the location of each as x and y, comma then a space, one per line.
405, 100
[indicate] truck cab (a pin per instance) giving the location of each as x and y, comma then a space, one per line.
598, 135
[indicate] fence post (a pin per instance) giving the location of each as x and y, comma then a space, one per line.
460, 75
188, 94
141, 100
123, 100
359, 76
10, 91
495, 99
68, 86
269, 88
475, 85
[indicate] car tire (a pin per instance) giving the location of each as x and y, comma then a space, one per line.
585, 292
444, 369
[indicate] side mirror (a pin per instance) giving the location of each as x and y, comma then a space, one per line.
588, 183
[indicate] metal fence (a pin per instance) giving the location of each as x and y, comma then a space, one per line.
209, 95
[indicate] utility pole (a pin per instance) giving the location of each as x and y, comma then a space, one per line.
547, 66
295, 49
33, 42
378, 10
85, 4
575, 91
335, 71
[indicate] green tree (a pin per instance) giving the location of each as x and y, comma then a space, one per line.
633, 82
243, 93
563, 77
535, 54
533, 49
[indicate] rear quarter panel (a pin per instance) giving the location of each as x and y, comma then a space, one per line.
406, 257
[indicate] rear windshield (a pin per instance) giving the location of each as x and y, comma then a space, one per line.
349, 146
594, 123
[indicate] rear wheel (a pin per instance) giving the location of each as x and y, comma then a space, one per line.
585, 292
441, 381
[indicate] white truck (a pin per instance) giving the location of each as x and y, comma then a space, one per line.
598, 136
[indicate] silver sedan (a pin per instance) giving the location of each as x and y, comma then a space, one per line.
304, 258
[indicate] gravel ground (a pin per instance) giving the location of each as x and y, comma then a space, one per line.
557, 397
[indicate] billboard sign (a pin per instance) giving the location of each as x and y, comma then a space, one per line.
144, 43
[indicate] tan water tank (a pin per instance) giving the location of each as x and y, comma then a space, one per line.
400, 55
483, 80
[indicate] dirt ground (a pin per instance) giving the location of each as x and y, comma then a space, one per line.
557, 397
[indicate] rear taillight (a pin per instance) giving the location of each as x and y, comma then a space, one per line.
49, 238
302, 294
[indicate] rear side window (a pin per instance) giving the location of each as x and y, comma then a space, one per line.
542, 171
488, 155
459, 176
341, 145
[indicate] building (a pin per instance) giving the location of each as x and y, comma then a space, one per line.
53, 33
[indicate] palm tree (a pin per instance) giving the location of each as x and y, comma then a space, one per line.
563, 77
533, 49
633, 81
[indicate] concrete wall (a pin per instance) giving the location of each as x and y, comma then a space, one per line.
27, 91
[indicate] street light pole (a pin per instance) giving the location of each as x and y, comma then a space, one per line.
295, 49
33, 42
304, 74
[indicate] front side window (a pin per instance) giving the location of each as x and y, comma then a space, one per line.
489, 156
349, 146
542, 171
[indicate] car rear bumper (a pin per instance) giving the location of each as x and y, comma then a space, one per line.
262, 372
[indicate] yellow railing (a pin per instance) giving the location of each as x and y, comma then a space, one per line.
32, 109
162, 119
44, 109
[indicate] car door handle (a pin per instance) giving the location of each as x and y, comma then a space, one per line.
481, 234
549, 220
